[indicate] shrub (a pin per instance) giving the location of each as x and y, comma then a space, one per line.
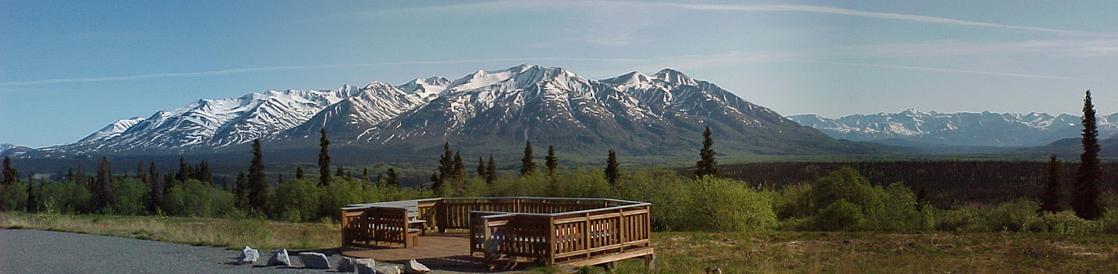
1012, 216
197, 199
297, 200
839, 215
1063, 222
966, 219
65, 196
339, 193
13, 196
794, 201
730, 205
128, 197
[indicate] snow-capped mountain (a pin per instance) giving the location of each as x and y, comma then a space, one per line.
964, 128
488, 109
210, 123
12, 150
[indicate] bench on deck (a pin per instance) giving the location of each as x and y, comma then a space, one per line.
391, 222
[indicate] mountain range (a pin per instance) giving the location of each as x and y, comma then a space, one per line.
985, 129
484, 111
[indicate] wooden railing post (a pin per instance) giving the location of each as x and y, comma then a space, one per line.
551, 244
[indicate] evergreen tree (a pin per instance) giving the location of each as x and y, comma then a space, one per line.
613, 169
299, 173
203, 172
391, 179
323, 159
446, 168
340, 172
10, 174
258, 193
1086, 198
706, 166
365, 174
921, 199
141, 174
552, 162
240, 188
481, 167
102, 187
32, 198
1050, 199
184, 169
490, 171
155, 189
527, 166
459, 168
79, 176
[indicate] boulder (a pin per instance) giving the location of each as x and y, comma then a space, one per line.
414, 267
347, 265
280, 257
248, 256
365, 266
314, 260
389, 269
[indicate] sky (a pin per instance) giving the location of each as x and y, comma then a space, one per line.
68, 68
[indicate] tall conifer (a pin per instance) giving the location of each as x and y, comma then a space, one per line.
706, 166
490, 170
551, 161
1050, 199
258, 193
1086, 199
527, 166
323, 159
613, 169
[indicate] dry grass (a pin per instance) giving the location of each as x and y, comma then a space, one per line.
195, 231
679, 252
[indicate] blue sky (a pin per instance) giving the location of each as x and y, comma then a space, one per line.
68, 68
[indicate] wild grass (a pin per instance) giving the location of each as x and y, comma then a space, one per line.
228, 233
678, 252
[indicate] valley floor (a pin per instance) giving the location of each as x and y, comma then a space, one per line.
680, 252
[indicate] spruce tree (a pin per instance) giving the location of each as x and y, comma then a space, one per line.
299, 173
141, 174
10, 174
481, 167
181, 175
391, 179
323, 159
340, 172
203, 172
32, 198
1086, 198
365, 174
491, 171
155, 189
706, 166
258, 189
102, 187
552, 162
613, 169
446, 168
1050, 199
79, 176
459, 174
527, 166
240, 188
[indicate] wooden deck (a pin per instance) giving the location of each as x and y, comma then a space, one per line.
500, 232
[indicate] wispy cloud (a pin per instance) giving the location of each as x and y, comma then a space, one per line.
306, 67
1086, 48
866, 14
949, 70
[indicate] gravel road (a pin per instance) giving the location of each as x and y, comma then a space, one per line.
33, 251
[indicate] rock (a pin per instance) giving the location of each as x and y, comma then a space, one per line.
248, 256
314, 260
365, 266
280, 257
347, 265
389, 269
414, 267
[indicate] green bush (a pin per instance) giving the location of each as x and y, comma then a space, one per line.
13, 196
339, 193
64, 197
128, 196
297, 201
1012, 216
966, 219
197, 199
839, 215
1063, 222
794, 201
729, 205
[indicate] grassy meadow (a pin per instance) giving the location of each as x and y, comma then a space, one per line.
677, 252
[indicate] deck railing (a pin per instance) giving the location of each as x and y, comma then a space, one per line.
550, 230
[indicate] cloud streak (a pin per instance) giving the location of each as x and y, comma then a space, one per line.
950, 70
866, 14
300, 67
